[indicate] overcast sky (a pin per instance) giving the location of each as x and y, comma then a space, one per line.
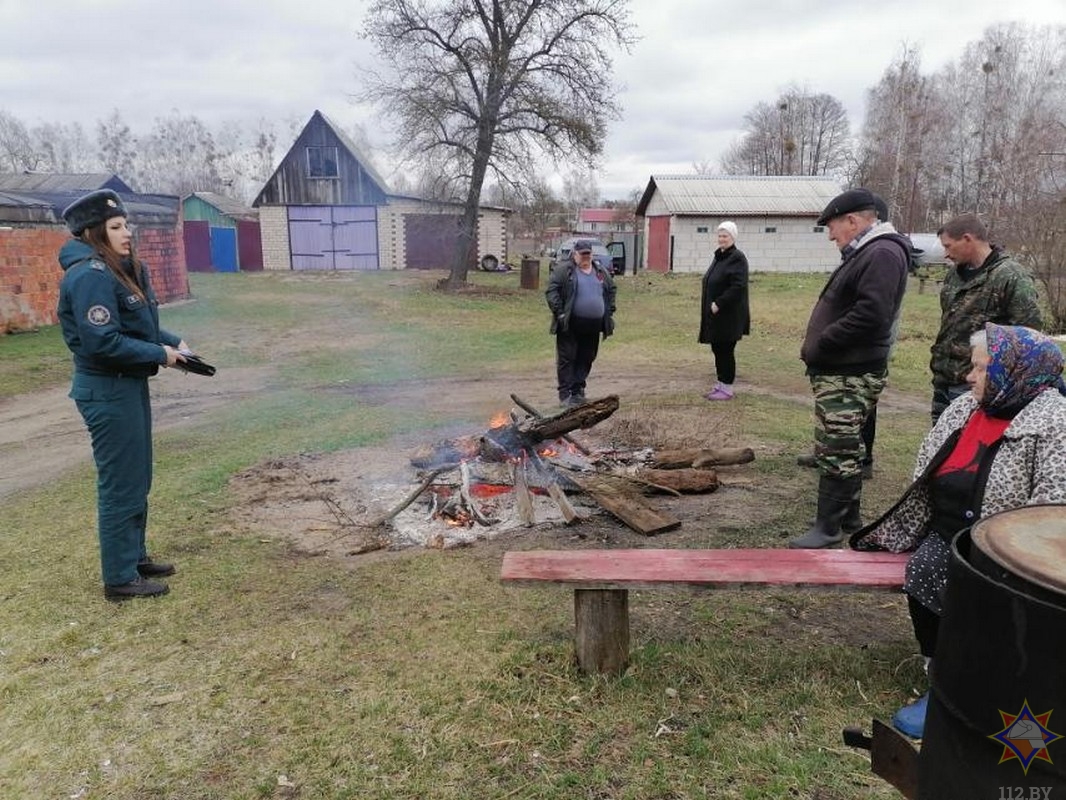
699, 66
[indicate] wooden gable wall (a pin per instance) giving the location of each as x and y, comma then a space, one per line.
291, 184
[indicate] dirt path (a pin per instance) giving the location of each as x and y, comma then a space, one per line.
42, 435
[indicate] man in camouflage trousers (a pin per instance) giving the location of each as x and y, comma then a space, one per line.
846, 350
985, 285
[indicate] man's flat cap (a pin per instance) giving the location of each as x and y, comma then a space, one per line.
583, 246
849, 202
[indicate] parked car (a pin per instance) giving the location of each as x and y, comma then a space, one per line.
614, 261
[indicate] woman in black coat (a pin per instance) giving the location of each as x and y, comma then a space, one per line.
724, 313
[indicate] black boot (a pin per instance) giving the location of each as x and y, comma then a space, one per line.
852, 521
835, 497
138, 587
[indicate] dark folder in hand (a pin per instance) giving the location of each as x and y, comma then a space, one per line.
195, 365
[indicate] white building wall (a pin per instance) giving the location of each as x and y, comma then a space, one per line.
492, 235
794, 245
274, 236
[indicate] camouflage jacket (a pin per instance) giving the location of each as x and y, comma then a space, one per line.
1002, 291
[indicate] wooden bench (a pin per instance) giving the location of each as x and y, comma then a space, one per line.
601, 580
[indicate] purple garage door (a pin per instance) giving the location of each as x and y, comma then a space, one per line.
333, 237
197, 236
249, 246
430, 241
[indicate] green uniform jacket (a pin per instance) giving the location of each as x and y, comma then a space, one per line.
1001, 291
109, 330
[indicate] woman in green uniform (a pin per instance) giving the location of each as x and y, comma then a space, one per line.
107, 311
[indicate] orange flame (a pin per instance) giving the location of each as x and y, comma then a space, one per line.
499, 420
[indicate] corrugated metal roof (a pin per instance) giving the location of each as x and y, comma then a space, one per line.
227, 205
159, 208
741, 196
62, 182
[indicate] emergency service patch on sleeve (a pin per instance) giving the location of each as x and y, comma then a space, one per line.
99, 315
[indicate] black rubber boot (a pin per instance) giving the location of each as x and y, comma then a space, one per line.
852, 521
835, 498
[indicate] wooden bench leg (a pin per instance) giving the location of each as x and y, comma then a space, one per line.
601, 630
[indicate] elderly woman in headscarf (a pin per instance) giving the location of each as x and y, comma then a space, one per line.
999, 447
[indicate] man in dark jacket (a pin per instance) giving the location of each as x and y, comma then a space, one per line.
581, 295
846, 351
985, 285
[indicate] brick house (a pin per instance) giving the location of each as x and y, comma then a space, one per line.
32, 231
775, 218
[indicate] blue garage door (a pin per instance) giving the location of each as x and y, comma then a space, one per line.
224, 249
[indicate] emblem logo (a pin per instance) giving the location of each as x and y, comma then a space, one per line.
1025, 737
112, 203
99, 315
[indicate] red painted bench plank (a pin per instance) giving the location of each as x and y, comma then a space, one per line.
711, 569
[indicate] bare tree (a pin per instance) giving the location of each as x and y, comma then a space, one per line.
64, 147
494, 86
800, 133
16, 147
903, 121
580, 190
117, 147
180, 156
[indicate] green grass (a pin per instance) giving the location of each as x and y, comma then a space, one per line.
417, 675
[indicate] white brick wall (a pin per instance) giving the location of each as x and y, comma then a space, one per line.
793, 247
274, 234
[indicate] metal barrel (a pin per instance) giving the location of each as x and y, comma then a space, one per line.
530, 276
997, 704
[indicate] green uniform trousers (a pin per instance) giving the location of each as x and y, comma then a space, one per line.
841, 405
118, 414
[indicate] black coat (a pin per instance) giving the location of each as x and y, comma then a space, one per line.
851, 328
726, 284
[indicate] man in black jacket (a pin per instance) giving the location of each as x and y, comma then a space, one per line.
846, 350
581, 296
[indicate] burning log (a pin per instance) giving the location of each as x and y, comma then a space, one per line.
464, 490
701, 458
583, 416
523, 500
555, 491
432, 476
522, 404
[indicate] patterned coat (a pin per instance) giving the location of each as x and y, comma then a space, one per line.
1028, 469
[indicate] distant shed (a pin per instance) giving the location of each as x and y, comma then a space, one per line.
221, 234
775, 217
32, 231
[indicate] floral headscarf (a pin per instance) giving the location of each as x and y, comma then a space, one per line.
1022, 364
